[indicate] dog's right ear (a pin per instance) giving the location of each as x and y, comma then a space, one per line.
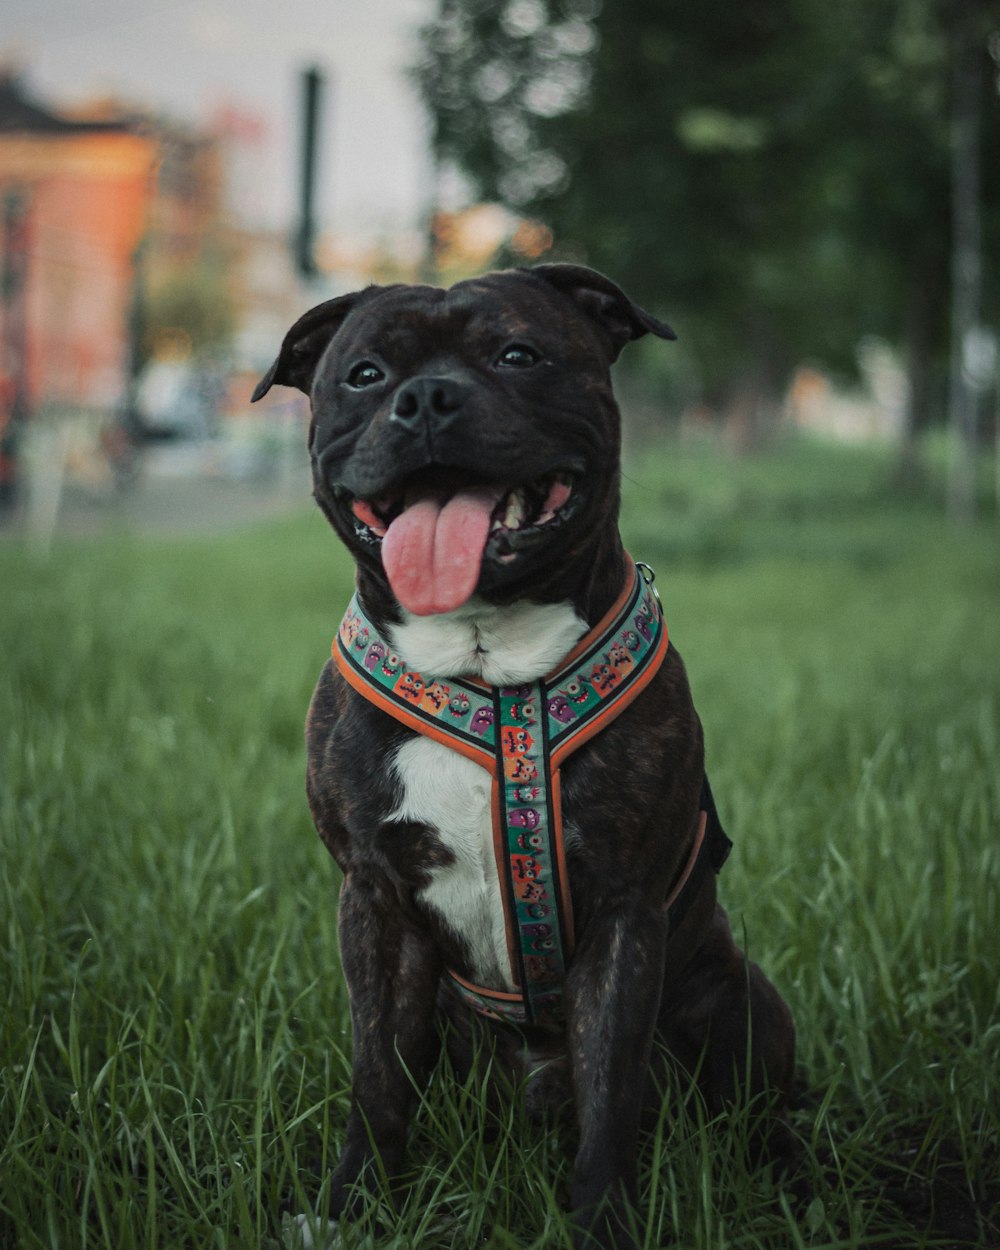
306, 342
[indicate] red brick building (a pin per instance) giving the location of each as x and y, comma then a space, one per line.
75, 199
74, 202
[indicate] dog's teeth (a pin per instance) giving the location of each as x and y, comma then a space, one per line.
368, 517
514, 514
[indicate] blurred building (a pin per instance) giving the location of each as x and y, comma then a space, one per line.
116, 232
74, 199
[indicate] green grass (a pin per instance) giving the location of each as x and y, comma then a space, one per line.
174, 1050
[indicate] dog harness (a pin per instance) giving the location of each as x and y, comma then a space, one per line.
520, 735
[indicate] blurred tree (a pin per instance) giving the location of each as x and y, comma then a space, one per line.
924, 77
195, 300
775, 176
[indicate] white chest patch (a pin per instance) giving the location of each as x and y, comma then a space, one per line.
502, 645
451, 794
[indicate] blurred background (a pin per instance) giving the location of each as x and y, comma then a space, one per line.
810, 195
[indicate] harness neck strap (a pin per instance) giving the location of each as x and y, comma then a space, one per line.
520, 735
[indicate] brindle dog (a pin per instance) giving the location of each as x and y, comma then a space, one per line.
465, 448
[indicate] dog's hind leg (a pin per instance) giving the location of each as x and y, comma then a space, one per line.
724, 1021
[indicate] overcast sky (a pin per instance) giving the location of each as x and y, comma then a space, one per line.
190, 57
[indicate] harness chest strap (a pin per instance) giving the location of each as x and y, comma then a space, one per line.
520, 735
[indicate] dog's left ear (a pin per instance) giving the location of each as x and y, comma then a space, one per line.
306, 342
603, 302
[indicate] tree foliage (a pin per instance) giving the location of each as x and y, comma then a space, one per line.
772, 176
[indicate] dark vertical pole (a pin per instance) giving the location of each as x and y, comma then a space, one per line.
305, 240
13, 341
430, 261
136, 331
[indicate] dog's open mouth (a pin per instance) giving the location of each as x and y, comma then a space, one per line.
435, 534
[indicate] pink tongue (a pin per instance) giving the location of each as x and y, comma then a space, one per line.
433, 554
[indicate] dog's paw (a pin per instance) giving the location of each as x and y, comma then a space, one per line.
308, 1232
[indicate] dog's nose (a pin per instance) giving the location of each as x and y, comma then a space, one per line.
434, 402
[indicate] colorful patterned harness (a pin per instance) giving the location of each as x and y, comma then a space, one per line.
520, 735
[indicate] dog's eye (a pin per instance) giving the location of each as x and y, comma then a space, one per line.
517, 356
364, 374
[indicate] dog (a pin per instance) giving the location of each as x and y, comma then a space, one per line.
503, 754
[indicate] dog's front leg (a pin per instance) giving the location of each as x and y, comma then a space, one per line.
392, 972
613, 996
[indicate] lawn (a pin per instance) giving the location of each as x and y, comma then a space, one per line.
174, 1044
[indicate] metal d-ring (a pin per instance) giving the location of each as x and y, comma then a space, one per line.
648, 575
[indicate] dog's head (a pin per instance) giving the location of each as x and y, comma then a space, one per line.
466, 440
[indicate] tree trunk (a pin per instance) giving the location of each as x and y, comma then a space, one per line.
966, 258
923, 311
